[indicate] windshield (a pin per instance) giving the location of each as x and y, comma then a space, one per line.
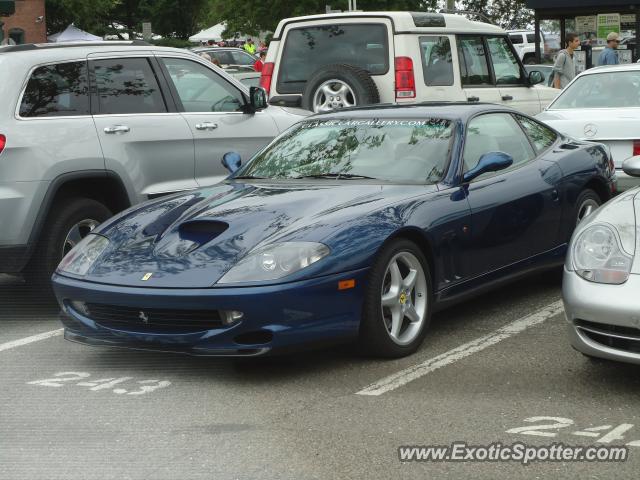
601, 90
404, 151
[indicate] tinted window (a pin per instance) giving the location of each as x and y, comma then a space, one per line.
127, 85
308, 49
394, 150
516, 38
505, 65
241, 58
57, 91
437, 66
200, 89
496, 132
474, 69
531, 38
601, 90
541, 136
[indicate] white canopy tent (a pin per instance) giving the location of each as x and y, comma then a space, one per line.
215, 33
73, 34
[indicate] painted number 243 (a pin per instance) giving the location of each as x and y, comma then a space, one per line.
80, 379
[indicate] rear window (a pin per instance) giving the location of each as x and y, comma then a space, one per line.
56, 91
437, 66
516, 38
413, 150
531, 38
309, 49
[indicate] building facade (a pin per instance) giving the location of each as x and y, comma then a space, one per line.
27, 25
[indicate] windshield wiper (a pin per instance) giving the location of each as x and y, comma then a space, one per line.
338, 176
248, 177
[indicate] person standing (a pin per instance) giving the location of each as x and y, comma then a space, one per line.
260, 62
608, 55
564, 69
250, 47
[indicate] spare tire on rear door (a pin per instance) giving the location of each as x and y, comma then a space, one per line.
339, 86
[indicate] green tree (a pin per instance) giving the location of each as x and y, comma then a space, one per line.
508, 14
90, 15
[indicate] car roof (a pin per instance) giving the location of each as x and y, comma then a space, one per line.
74, 50
628, 67
447, 110
208, 48
403, 22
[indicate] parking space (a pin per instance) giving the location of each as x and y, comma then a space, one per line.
71, 411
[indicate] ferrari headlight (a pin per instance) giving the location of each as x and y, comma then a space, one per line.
83, 255
598, 256
275, 261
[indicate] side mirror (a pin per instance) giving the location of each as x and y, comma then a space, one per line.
257, 98
231, 161
631, 166
536, 77
489, 162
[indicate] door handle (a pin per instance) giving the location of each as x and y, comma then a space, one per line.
473, 99
206, 126
117, 129
507, 97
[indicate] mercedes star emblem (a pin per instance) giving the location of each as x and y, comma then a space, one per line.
590, 129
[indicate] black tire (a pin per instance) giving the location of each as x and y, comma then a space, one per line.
529, 60
375, 338
49, 251
358, 80
587, 198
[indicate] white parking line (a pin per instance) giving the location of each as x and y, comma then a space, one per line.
414, 372
33, 338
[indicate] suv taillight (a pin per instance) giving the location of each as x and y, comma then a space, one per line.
3, 142
405, 82
265, 78
636, 147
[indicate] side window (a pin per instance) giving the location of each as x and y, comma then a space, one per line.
240, 58
505, 65
201, 89
437, 66
308, 49
541, 136
57, 91
474, 69
516, 38
496, 132
531, 38
127, 86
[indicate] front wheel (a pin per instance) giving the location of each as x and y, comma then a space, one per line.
398, 301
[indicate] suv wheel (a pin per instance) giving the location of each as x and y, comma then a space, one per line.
339, 86
529, 60
69, 222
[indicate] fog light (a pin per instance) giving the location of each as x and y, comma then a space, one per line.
229, 317
80, 307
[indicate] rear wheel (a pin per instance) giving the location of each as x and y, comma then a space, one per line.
398, 301
588, 201
69, 222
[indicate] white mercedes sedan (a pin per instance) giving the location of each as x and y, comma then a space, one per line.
602, 105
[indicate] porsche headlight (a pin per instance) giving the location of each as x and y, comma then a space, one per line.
598, 256
275, 261
83, 255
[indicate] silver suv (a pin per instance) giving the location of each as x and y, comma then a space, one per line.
86, 130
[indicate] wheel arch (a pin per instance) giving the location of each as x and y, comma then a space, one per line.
418, 237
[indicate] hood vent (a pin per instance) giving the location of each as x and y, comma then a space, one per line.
158, 226
201, 231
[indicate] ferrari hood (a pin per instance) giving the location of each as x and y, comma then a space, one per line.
191, 240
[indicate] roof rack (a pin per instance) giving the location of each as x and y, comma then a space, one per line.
25, 47
469, 12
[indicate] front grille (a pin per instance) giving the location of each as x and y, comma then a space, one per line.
613, 336
155, 320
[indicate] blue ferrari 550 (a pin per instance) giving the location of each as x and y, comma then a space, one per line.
353, 225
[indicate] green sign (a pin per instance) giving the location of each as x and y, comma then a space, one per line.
7, 7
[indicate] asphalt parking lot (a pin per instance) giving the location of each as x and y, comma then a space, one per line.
486, 371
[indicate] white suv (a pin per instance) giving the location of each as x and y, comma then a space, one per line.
324, 62
525, 43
